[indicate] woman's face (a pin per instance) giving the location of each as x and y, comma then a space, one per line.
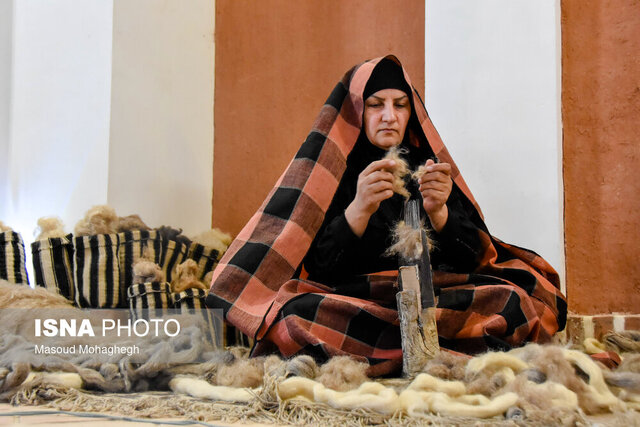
386, 114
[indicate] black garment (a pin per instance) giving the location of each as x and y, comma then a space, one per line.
337, 253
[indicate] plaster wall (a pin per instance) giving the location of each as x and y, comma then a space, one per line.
492, 90
277, 62
59, 110
601, 110
161, 129
6, 41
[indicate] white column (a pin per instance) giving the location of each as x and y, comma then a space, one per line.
493, 92
161, 144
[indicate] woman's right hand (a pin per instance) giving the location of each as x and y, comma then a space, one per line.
375, 184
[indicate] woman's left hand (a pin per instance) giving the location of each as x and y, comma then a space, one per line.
435, 187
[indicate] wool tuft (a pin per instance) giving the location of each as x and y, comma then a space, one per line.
551, 362
22, 296
187, 277
597, 397
399, 171
301, 366
625, 341
447, 365
630, 363
627, 380
553, 399
489, 382
407, 241
535, 375
131, 223
215, 239
493, 362
49, 227
342, 373
241, 373
417, 174
145, 271
239, 352
593, 346
100, 219
274, 366
169, 233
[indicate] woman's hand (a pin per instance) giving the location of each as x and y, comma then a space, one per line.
375, 184
435, 187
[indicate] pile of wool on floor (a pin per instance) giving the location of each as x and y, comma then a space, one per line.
532, 385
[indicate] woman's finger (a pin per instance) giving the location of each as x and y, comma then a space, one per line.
434, 176
383, 195
435, 185
376, 187
378, 165
379, 175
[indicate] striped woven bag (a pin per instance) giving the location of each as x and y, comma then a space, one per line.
149, 299
133, 245
206, 258
53, 264
12, 258
173, 254
191, 301
97, 272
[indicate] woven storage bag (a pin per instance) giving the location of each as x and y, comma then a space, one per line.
53, 264
206, 258
134, 245
97, 272
13, 266
149, 299
173, 254
192, 301
234, 337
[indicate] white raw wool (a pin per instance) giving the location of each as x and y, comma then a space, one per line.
101, 219
370, 395
63, 379
50, 227
201, 389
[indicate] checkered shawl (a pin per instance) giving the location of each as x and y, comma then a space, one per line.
511, 298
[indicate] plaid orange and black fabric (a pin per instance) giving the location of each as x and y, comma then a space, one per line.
512, 297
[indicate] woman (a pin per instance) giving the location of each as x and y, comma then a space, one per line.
301, 276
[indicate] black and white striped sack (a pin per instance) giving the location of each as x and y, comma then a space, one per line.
206, 258
152, 299
173, 254
53, 264
12, 258
191, 301
97, 272
135, 245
